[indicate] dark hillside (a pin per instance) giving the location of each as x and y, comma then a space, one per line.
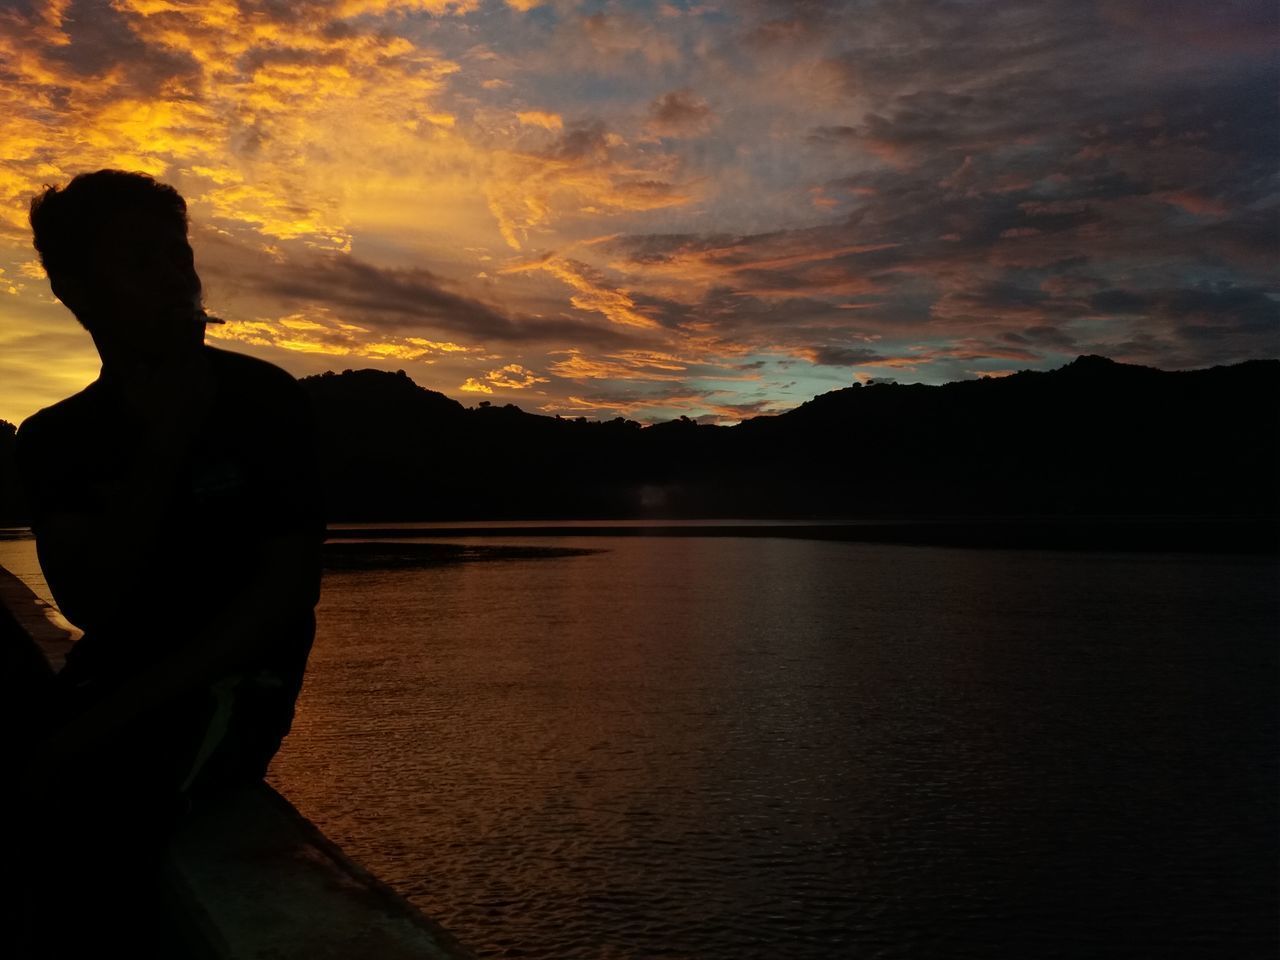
1092, 438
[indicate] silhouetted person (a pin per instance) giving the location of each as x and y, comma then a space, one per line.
177, 522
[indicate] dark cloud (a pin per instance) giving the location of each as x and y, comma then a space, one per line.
658, 248
836, 356
679, 112
785, 25
927, 121
671, 314
1118, 302
401, 302
835, 135
259, 57
1030, 170
1042, 336
1226, 307
1005, 295
27, 10
1057, 93
646, 192
1241, 27
100, 41
1248, 238
283, 11
584, 140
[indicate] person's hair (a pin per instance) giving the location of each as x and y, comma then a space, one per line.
66, 221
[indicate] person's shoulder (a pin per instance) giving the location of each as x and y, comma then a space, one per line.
271, 396
257, 383
58, 421
249, 371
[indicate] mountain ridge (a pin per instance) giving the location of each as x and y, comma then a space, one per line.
1094, 437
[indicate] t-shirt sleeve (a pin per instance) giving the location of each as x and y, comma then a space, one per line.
27, 458
45, 488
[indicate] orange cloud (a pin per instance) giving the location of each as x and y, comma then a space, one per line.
635, 366
355, 8
514, 377
747, 268
660, 407
245, 110
616, 305
541, 118
526, 192
319, 333
1193, 202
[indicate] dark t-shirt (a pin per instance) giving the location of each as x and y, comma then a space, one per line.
249, 473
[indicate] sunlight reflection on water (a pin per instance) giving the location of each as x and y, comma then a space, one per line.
719, 748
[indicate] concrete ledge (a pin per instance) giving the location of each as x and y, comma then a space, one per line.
41, 622
259, 881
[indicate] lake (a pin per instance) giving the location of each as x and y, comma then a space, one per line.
714, 748
725, 748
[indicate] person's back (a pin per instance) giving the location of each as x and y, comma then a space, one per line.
245, 473
175, 507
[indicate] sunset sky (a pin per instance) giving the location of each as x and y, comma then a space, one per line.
652, 209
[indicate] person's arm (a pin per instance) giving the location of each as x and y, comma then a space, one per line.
284, 569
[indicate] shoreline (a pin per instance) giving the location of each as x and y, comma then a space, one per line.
1253, 536
1249, 536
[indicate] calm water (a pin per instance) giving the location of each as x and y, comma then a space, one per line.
716, 748
713, 748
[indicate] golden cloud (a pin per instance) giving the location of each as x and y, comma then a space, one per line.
241, 115
541, 118
636, 366
616, 305
514, 377
581, 175
658, 407
319, 333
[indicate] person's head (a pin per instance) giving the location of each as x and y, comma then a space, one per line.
114, 245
